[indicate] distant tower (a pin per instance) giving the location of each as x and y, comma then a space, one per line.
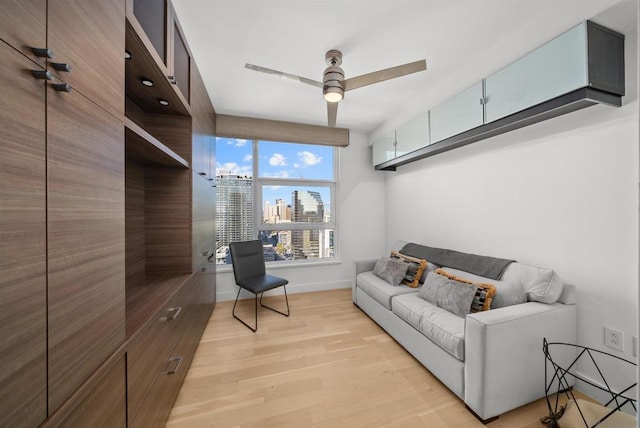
235, 204
307, 206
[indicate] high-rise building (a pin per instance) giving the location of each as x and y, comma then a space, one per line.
235, 208
307, 206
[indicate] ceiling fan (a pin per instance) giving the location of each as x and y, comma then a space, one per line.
334, 84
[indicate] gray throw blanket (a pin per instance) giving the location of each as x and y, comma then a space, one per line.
489, 267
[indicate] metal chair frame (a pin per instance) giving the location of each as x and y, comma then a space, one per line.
256, 308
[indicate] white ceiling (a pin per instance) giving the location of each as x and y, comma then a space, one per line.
462, 41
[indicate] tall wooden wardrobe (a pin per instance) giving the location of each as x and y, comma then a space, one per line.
107, 199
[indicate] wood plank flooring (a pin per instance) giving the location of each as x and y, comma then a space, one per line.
327, 365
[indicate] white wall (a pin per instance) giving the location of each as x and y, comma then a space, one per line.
360, 227
561, 194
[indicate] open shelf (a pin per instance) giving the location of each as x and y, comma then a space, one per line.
146, 149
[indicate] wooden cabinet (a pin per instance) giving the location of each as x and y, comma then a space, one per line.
88, 35
85, 240
23, 345
23, 25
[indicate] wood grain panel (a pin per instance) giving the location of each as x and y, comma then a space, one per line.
90, 36
23, 24
134, 224
276, 130
149, 350
22, 244
158, 404
168, 220
173, 131
147, 149
102, 404
86, 266
203, 123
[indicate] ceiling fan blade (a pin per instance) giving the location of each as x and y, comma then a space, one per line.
283, 74
332, 113
382, 75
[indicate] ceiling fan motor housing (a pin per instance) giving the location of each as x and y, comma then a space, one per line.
333, 76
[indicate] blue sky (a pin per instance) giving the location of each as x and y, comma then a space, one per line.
277, 160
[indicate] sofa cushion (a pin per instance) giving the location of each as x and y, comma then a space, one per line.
415, 269
449, 294
441, 326
484, 292
390, 270
520, 283
380, 290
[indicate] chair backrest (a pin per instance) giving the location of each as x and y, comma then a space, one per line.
248, 259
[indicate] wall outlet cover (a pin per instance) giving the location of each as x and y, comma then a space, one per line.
614, 338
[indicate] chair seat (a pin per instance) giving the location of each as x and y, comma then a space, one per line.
259, 284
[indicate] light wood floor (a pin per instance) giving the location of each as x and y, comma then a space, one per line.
327, 365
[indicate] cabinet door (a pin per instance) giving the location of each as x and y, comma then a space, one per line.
457, 114
413, 135
86, 274
181, 62
554, 69
152, 16
22, 244
384, 149
89, 35
23, 24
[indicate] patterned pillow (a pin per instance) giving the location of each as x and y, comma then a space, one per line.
484, 293
391, 270
415, 269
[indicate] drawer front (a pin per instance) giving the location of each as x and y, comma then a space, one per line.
147, 355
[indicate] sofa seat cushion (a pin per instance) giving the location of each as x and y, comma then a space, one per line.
439, 325
380, 290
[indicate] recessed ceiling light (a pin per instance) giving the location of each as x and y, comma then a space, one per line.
163, 102
146, 82
127, 55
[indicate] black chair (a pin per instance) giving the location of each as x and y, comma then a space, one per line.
249, 272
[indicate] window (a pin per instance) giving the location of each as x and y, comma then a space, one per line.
280, 193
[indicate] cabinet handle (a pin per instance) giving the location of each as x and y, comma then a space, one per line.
172, 365
61, 87
206, 253
210, 179
172, 79
41, 74
61, 66
175, 313
42, 52
202, 173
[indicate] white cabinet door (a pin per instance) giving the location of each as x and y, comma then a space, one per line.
413, 135
457, 114
558, 67
384, 149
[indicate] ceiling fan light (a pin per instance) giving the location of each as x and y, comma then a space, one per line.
333, 94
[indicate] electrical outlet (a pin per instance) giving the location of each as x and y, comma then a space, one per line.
614, 338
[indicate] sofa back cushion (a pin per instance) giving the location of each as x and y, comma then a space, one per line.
415, 269
520, 283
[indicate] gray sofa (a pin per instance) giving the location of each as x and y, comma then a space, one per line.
491, 360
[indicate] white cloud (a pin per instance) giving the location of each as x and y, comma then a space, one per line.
279, 174
277, 160
309, 158
296, 165
240, 142
247, 158
233, 168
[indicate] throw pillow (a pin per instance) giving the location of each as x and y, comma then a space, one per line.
415, 269
455, 297
391, 270
484, 293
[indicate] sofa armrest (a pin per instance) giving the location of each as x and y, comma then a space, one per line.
361, 265
504, 362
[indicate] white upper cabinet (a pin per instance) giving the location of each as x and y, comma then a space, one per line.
457, 114
412, 135
554, 69
384, 149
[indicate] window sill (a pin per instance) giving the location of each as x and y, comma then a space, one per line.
285, 265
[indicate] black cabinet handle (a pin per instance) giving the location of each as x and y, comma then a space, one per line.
202, 173
61, 66
172, 79
42, 52
61, 87
41, 74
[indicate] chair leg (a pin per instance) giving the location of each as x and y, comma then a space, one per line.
256, 311
275, 310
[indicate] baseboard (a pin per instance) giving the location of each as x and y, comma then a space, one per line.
226, 295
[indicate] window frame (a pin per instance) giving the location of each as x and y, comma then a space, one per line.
259, 225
